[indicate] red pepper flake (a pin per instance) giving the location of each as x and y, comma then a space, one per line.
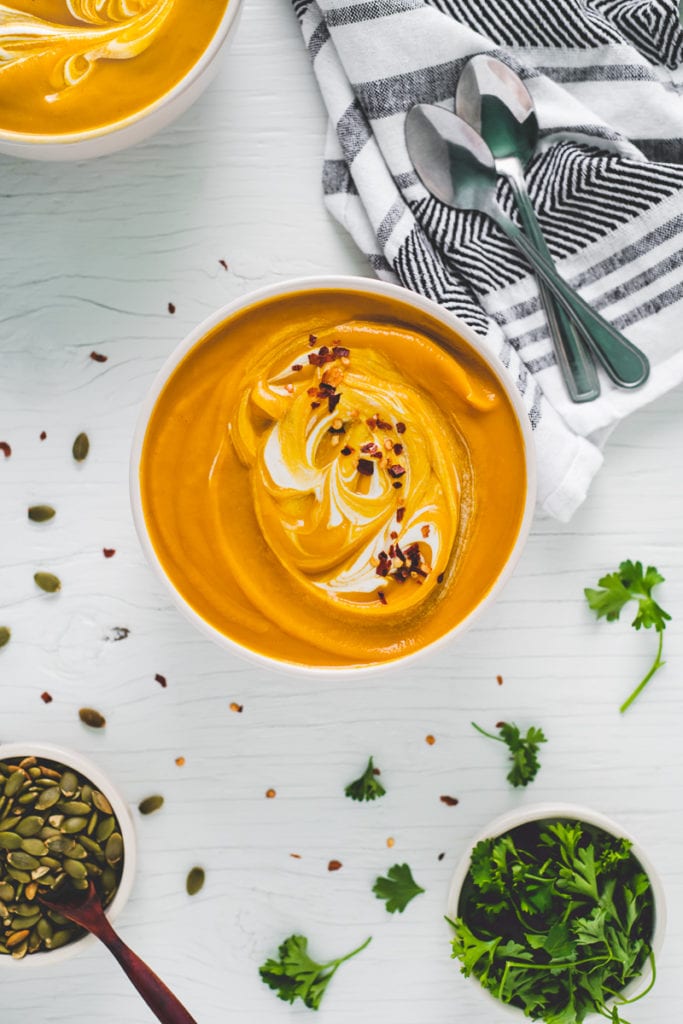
271, 794
391, 842
334, 865
108, 552
370, 448
397, 485
398, 449
396, 470
315, 405
499, 725
400, 513
43, 435
425, 530
237, 708
401, 428
376, 771
5, 449
297, 367
441, 856
333, 401
431, 740
393, 535
224, 264
295, 856
46, 697
312, 392
365, 467
180, 761
312, 338
97, 357
161, 680
384, 426
339, 352
381, 595
449, 801
499, 680
372, 422
171, 308
346, 450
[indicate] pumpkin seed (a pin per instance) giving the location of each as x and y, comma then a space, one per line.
36, 847
92, 718
113, 851
5, 634
71, 825
41, 513
10, 841
77, 807
29, 826
81, 447
151, 804
14, 783
99, 800
195, 881
48, 798
48, 582
75, 868
68, 784
22, 861
105, 829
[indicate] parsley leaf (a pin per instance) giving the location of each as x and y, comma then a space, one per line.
523, 750
368, 786
297, 976
398, 889
632, 583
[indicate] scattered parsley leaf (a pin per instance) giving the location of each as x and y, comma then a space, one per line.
367, 787
297, 976
523, 750
398, 889
632, 583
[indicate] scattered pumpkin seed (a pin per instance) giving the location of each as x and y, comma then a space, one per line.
41, 513
92, 718
151, 804
195, 881
81, 447
48, 582
5, 634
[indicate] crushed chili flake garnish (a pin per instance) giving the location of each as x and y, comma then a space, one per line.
333, 401
398, 449
271, 794
5, 449
365, 467
315, 405
425, 530
339, 352
161, 680
396, 470
43, 435
397, 485
449, 801
441, 856
346, 450
297, 367
296, 856
369, 448
393, 535
499, 680
391, 842
382, 597
237, 708
180, 761
384, 565
46, 697
312, 338
400, 512
384, 426
334, 865
401, 428
108, 552
372, 422
312, 391
430, 740
224, 264
97, 357
171, 308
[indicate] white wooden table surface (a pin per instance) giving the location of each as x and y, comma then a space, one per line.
90, 257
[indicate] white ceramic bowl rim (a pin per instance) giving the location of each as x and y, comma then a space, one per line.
551, 811
312, 284
84, 766
206, 59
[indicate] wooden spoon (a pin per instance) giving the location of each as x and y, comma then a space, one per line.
85, 909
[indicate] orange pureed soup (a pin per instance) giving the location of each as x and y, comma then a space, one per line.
333, 478
78, 65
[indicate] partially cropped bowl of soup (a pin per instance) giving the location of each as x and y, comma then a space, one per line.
332, 475
83, 77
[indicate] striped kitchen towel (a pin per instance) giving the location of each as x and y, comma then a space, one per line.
607, 184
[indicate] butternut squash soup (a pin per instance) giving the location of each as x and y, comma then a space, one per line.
69, 66
333, 478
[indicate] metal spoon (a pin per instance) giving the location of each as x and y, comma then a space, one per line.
496, 103
85, 909
456, 165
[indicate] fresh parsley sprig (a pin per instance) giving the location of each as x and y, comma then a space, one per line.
616, 589
523, 750
368, 786
295, 975
398, 888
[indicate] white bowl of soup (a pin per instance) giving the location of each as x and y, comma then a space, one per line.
332, 474
83, 78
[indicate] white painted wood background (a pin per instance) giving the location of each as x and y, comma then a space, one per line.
90, 256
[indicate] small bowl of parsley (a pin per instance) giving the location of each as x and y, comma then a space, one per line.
557, 912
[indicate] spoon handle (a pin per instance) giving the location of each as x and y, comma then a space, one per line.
625, 364
161, 1001
575, 361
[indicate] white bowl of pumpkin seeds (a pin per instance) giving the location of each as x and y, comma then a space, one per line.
62, 822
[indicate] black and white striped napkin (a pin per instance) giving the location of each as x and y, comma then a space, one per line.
607, 184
